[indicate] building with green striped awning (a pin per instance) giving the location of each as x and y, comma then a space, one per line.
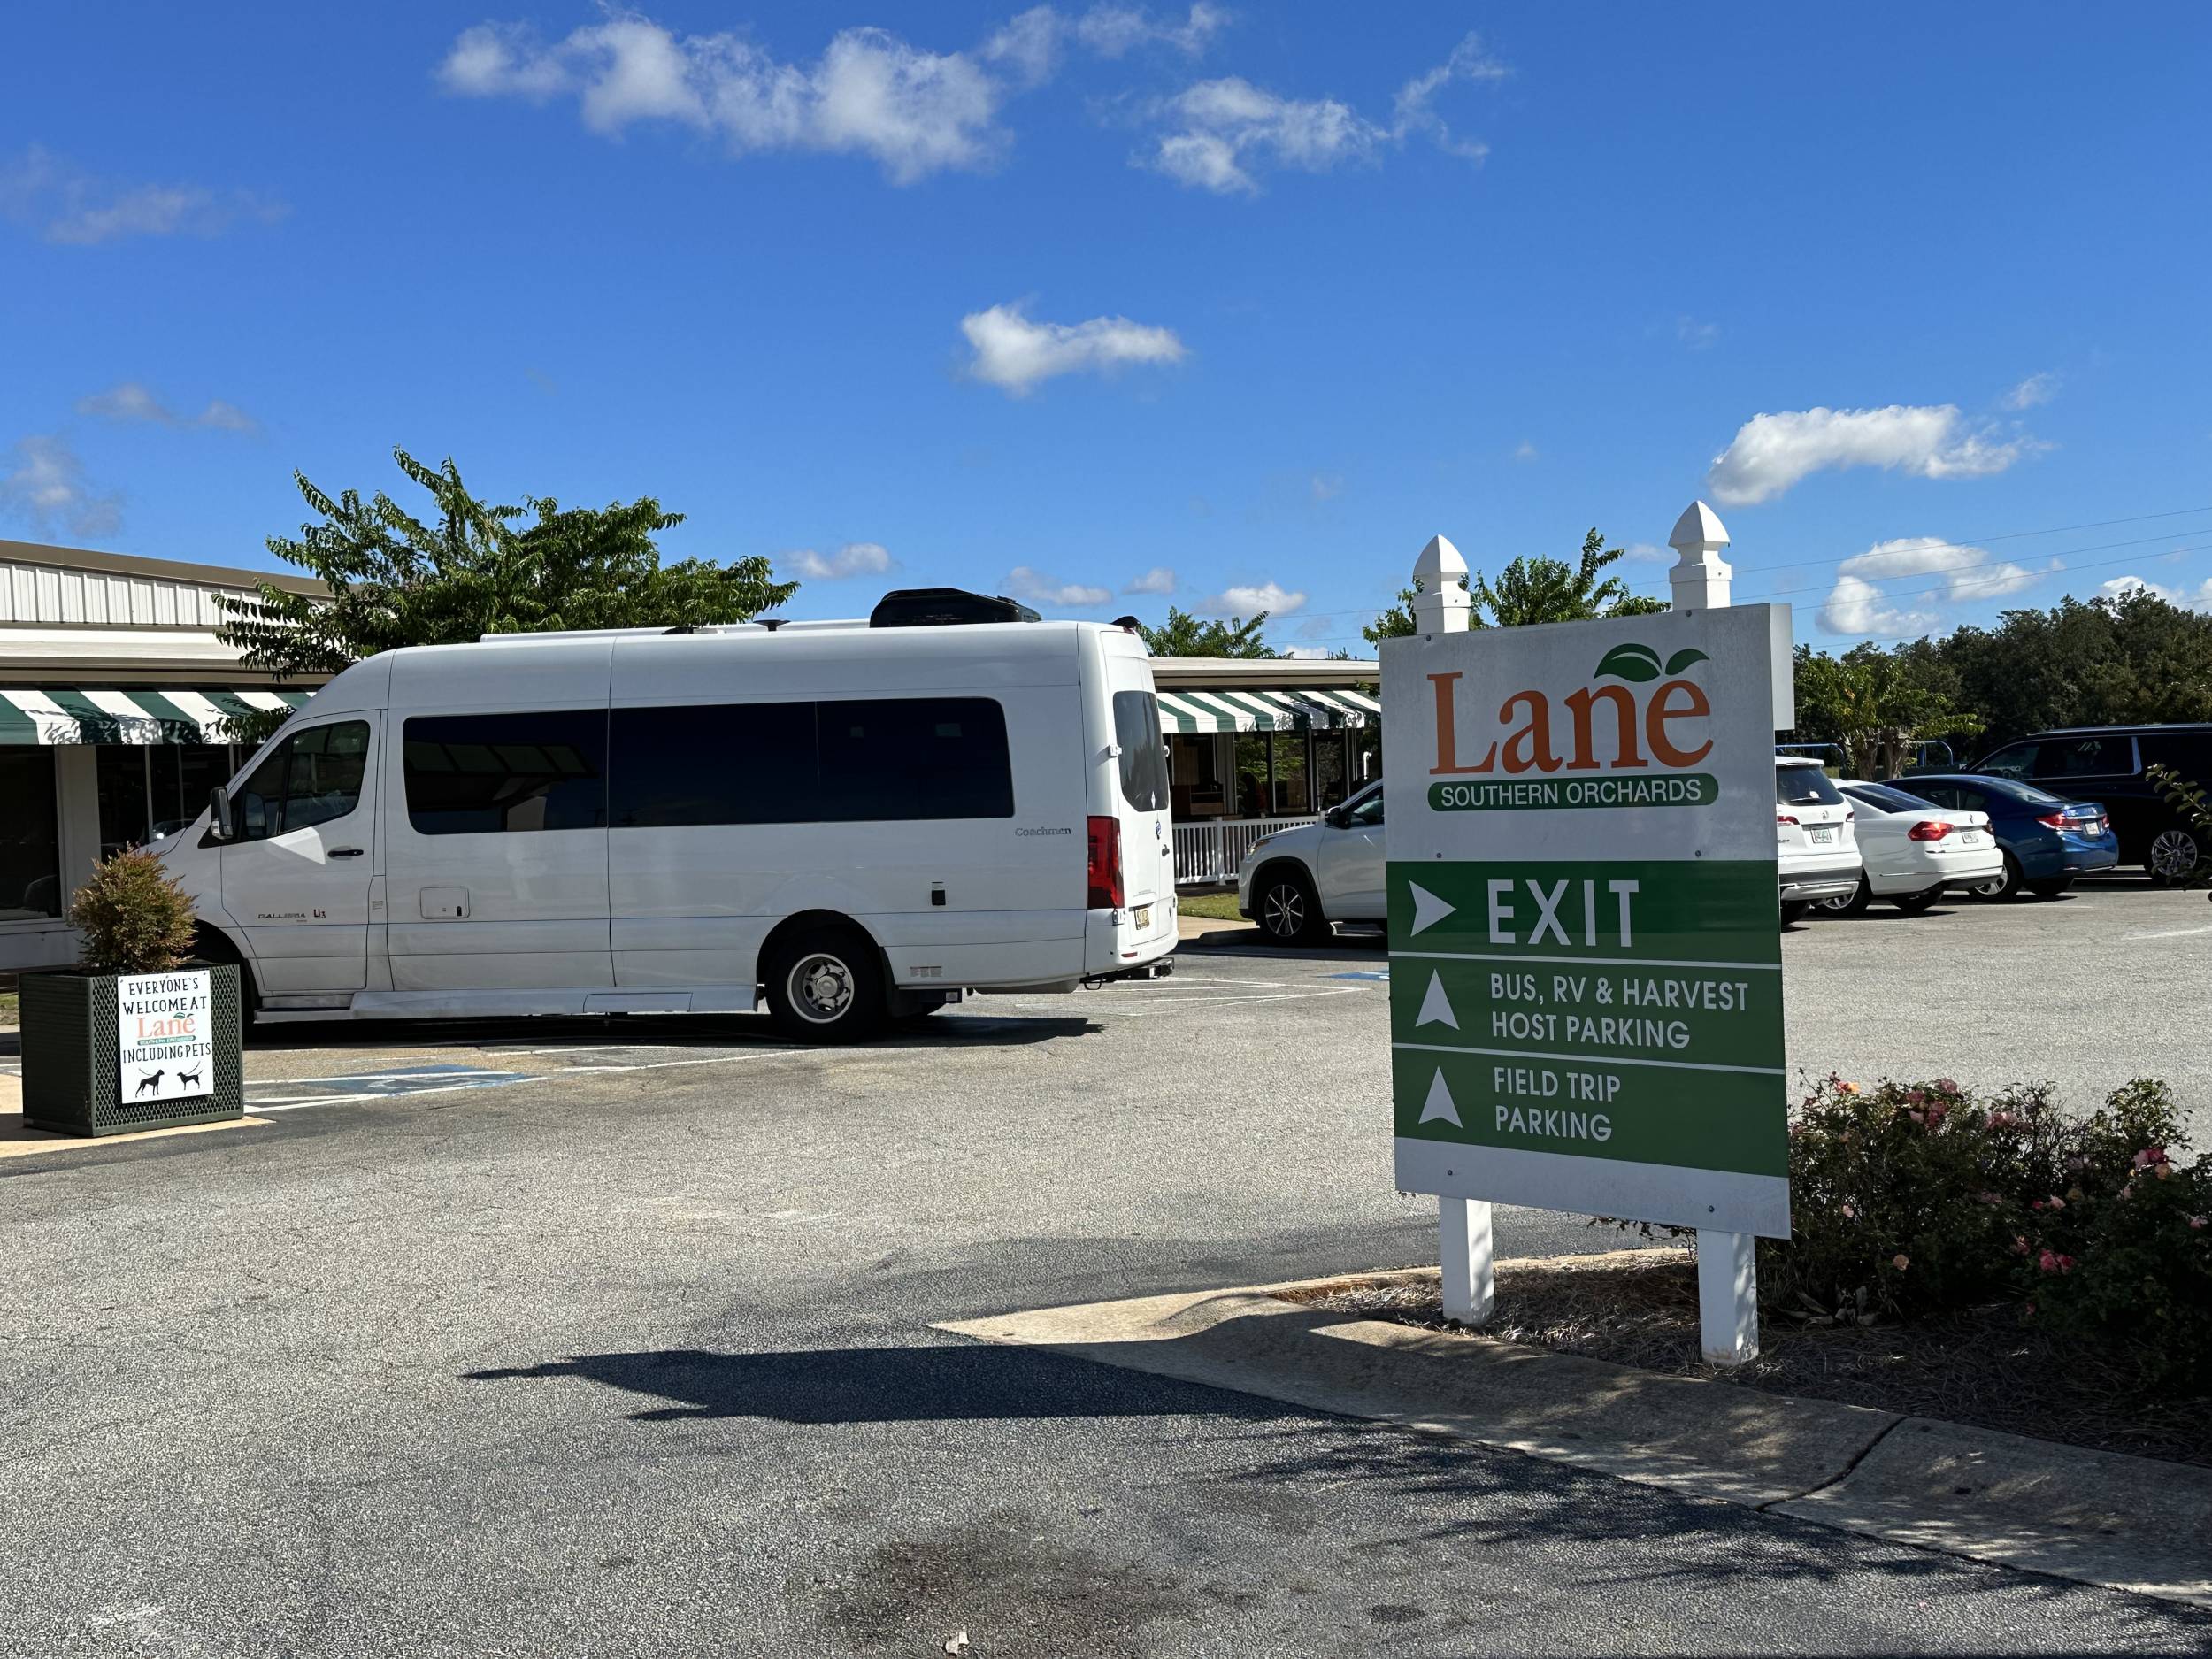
85, 714
1257, 742
120, 709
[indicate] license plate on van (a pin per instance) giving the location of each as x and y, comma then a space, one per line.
1141, 916
1822, 837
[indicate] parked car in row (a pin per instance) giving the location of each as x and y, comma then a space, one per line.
1914, 852
1297, 882
1815, 853
2045, 841
2112, 763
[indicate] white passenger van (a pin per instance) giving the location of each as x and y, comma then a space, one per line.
856, 820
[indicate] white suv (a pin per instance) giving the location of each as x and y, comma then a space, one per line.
1814, 846
1296, 882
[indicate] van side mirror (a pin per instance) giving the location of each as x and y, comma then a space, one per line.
218, 814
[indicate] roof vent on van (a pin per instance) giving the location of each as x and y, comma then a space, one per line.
936, 607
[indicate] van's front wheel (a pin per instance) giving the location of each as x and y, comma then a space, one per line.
825, 986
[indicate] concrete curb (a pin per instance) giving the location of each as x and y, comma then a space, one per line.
2125, 1522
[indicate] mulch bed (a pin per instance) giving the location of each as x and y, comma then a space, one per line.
1988, 1366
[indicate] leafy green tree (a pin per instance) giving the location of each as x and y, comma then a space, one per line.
1876, 704
2133, 658
469, 568
1533, 590
1183, 635
1540, 589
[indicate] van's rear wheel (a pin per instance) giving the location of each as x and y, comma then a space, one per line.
1288, 911
825, 986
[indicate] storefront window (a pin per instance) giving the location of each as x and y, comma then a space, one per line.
1293, 781
1252, 773
1366, 754
121, 770
1328, 769
1195, 763
30, 865
199, 768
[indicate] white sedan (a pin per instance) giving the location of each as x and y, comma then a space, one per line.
1915, 850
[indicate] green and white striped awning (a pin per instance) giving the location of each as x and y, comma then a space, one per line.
74, 714
1299, 710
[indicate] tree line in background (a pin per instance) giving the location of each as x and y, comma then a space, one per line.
2120, 660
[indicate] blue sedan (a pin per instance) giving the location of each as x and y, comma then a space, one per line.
2047, 841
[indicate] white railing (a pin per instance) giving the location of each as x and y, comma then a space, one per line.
1208, 852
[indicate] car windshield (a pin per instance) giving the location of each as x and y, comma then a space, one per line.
1884, 799
1805, 785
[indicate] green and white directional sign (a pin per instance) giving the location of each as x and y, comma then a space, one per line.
1586, 977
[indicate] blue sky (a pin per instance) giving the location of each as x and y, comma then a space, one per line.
1222, 305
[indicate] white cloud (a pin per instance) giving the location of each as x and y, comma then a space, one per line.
131, 402
1029, 45
2119, 587
1041, 590
1308, 652
1650, 552
914, 111
1769, 453
1967, 573
1857, 607
1158, 580
1225, 132
1325, 486
46, 485
1272, 597
855, 558
1695, 334
66, 204
2037, 389
1524, 451
1016, 353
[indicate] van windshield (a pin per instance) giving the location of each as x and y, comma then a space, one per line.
1143, 751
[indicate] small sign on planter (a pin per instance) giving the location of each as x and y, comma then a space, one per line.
166, 1035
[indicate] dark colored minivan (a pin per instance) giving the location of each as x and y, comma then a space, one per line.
2106, 763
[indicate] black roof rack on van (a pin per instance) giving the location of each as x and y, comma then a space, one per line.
936, 607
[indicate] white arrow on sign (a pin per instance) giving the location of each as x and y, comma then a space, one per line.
1436, 1007
1439, 1103
1428, 910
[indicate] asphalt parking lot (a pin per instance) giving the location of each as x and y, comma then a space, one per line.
614, 1337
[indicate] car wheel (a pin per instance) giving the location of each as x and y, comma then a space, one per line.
2007, 884
2173, 855
1915, 903
1794, 910
825, 987
2052, 889
1852, 903
1288, 911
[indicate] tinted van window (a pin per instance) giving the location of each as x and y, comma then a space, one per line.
859, 760
488, 774
2100, 755
1143, 751
918, 758
2188, 753
2018, 761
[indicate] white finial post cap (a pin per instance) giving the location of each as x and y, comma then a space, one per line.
1699, 527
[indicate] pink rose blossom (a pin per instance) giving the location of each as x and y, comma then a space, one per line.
1915, 1097
1849, 1214
2019, 1245
2196, 1222
1946, 1086
1901, 1261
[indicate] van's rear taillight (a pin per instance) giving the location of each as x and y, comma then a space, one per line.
1105, 866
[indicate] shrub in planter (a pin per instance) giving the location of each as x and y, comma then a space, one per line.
133, 1037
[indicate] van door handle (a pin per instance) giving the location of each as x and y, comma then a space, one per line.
345, 852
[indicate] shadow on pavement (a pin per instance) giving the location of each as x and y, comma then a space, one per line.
886, 1384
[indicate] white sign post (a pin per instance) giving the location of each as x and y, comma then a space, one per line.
1585, 985
166, 1035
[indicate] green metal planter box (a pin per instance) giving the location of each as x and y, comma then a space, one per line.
85, 1073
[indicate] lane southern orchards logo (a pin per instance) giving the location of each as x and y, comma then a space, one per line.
1634, 744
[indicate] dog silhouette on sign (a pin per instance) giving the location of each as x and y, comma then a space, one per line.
189, 1079
150, 1083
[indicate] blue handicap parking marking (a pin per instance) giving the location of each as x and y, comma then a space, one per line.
398, 1080
1364, 973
